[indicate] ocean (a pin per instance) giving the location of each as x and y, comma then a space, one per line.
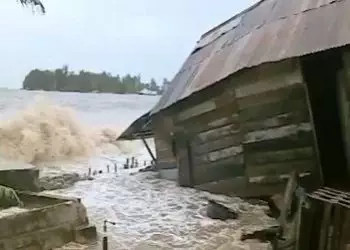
72, 132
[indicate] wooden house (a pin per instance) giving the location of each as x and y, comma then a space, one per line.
262, 94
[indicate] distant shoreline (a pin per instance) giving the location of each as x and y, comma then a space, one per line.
64, 80
90, 92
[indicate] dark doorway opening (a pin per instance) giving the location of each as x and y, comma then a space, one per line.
320, 73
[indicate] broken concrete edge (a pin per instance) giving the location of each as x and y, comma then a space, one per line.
85, 234
51, 196
50, 226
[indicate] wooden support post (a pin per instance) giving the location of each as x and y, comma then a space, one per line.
127, 163
326, 220
132, 162
288, 198
115, 167
149, 150
344, 239
337, 225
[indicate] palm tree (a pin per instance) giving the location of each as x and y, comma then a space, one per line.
34, 3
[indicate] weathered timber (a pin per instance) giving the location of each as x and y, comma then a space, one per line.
223, 99
280, 156
276, 71
184, 160
162, 160
326, 219
288, 210
226, 186
165, 156
219, 132
338, 222
345, 238
295, 117
216, 173
196, 110
148, 149
207, 121
274, 133
279, 168
233, 160
220, 154
305, 225
274, 82
163, 143
294, 92
346, 60
265, 111
302, 139
225, 142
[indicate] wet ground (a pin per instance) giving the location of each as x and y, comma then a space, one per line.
149, 211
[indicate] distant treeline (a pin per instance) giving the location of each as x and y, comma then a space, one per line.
64, 80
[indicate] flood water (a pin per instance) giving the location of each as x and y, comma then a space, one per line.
147, 211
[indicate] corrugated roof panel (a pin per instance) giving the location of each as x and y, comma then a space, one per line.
230, 25
271, 31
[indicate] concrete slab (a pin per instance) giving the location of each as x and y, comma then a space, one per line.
168, 174
52, 223
18, 175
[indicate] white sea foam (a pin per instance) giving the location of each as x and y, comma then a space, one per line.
44, 131
148, 211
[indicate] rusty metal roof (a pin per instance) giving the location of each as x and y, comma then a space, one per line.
269, 31
141, 128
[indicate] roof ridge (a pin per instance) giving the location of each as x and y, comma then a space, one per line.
232, 18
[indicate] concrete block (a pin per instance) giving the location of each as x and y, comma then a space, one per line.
19, 176
85, 234
44, 227
168, 174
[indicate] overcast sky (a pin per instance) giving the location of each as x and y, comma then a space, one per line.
150, 37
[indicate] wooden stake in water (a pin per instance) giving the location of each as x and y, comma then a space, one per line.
105, 239
107, 168
127, 162
132, 162
115, 168
89, 173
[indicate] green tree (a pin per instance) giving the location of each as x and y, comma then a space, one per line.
164, 86
153, 85
62, 79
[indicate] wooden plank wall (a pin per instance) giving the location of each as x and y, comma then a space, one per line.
213, 128
344, 101
274, 113
258, 126
162, 127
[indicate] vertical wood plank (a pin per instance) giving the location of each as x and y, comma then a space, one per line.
345, 232
337, 225
316, 225
326, 219
305, 226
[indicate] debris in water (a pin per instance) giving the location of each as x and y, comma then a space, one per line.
219, 212
61, 181
264, 235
